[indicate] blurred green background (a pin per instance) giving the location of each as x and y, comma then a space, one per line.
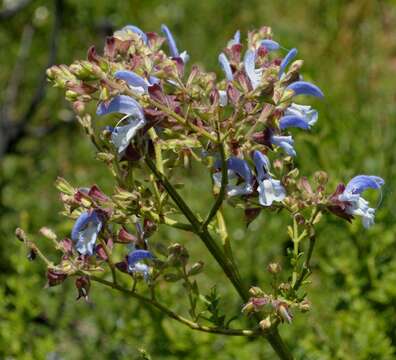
349, 49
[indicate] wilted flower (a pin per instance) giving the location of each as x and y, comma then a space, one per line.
354, 203
85, 232
270, 190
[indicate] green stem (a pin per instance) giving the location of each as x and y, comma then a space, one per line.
227, 266
222, 193
175, 316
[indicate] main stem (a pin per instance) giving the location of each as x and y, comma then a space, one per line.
227, 266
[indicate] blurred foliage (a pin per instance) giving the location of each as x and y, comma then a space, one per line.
349, 49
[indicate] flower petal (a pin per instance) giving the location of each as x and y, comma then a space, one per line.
270, 45
225, 65
270, 190
136, 30
235, 40
121, 104
138, 255
293, 121
250, 68
285, 142
305, 111
363, 182
85, 232
171, 41
262, 164
286, 60
241, 168
122, 135
131, 78
305, 88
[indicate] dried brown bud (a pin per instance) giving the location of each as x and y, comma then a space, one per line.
274, 268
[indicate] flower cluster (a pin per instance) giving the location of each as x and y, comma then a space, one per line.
154, 115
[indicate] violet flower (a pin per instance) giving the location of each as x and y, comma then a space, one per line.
253, 74
225, 65
269, 189
356, 205
270, 45
285, 142
235, 40
85, 232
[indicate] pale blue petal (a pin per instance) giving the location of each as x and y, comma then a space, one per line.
122, 135
171, 41
85, 232
270, 45
121, 104
131, 78
285, 142
250, 68
262, 164
136, 30
304, 111
363, 182
293, 121
305, 88
286, 60
270, 190
225, 65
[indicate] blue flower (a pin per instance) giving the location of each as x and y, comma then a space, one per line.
236, 167
135, 264
356, 205
285, 142
225, 65
305, 112
270, 190
305, 88
172, 45
235, 40
134, 29
85, 232
270, 45
254, 74
134, 115
289, 57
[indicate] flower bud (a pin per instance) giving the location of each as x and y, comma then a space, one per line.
63, 186
255, 291
48, 233
305, 305
321, 177
196, 268
83, 285
55, 277
20, 234
274, 268
265, 324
